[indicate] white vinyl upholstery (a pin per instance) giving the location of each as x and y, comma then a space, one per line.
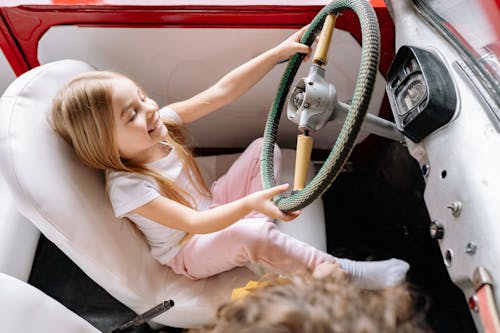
18, 237
66, 201
20, 301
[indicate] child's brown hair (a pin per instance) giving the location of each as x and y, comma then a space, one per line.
332, 304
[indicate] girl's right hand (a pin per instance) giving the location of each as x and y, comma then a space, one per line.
261, 201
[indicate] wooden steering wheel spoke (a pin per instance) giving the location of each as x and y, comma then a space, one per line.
302, 161
321, 53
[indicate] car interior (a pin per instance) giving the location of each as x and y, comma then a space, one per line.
391, 130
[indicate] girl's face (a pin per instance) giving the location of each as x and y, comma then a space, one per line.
138, 125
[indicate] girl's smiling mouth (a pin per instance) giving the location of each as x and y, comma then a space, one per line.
156, 125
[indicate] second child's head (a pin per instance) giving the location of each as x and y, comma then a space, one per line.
328, 303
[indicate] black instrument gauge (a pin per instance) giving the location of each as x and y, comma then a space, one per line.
411, 93
411, 66
421, 92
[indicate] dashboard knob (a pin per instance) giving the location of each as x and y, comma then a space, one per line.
436, 230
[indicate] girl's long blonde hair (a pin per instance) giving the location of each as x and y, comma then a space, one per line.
82, 114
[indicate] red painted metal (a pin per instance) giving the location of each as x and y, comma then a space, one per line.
13, 3
11, 50
78, 2
24, 25
492, 10
487, 309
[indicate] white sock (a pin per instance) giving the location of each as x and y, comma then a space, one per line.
375, 274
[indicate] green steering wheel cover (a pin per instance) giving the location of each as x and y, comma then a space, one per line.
370, 51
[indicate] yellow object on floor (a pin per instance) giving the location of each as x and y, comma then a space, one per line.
252, 286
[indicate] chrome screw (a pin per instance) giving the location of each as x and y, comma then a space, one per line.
455, 208
470, 248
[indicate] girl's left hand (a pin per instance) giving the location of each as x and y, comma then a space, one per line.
292, 45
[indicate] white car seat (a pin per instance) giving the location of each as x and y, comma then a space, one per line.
66, 201
23, 308
18, 237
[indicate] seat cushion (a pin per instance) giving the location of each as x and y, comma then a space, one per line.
309, 227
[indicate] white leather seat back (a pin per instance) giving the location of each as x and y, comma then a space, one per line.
18, 237
24, 308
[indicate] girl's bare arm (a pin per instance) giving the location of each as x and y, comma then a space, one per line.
175, 215
238, 81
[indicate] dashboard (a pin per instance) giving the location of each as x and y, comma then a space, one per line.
421, 92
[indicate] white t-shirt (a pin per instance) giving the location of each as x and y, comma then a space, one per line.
128, 191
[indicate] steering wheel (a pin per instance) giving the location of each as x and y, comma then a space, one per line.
356, 111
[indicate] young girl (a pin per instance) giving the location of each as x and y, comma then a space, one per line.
153, 180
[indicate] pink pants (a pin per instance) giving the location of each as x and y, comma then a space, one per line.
250, 240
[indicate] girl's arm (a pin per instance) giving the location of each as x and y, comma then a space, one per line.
238, 81
177, 216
